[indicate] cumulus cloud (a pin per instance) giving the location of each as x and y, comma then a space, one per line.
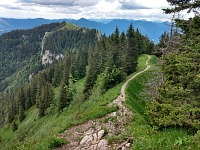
11, 7
64, 3
85, 3
143, 4
107, 9
131, 5
49, 2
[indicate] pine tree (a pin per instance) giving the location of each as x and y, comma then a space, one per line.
57, 75
28, 102
82, 62
178, 102
117, 53
49, 94
92, 72
116, 35
62, 99
138, 42
45, 98
10, 114
14, 126
21, 104
33, 91
21, 113
123, 44
70, 90
12, 108
102, 54
131, 51
21, 100
50, 74
67, 67
180, 5
40, 83
41, 103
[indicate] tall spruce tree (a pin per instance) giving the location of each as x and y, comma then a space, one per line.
21, 100
92, 71
62, 99
131, 51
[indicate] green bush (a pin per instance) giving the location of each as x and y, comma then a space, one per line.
56, 142
196, 139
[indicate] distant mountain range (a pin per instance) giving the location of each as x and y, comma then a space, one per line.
152, 29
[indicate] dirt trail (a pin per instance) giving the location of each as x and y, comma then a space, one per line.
91, 134
125, 84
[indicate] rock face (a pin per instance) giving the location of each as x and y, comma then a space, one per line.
94, 134
48, 57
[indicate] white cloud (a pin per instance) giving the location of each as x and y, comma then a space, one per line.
55, 9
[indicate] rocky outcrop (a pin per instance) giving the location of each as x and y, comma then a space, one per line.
48, 57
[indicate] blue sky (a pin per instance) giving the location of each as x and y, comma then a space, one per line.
90, 9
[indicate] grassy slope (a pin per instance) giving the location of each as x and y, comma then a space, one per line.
145, 136
41, 132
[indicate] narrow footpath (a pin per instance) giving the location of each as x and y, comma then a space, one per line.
91, 134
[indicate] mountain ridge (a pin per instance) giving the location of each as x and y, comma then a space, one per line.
152, 29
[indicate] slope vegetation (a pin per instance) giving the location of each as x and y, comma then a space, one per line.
98, 134
34, 131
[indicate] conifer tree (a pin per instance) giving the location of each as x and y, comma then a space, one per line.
102, 54
28, 102
21, 113
70, 90
117, 49
40, 83
14, 126
138, 42
178, 102
57, 75
41, 102
33, 91
123, 44
132, 51
21, 99
62, 99
45, 98
92, 72
82, 62
11, 112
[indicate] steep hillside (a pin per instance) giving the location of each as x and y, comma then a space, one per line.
33, 132
24, 52
102, 62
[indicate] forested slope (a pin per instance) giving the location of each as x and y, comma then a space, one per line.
102, 61
25, 52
